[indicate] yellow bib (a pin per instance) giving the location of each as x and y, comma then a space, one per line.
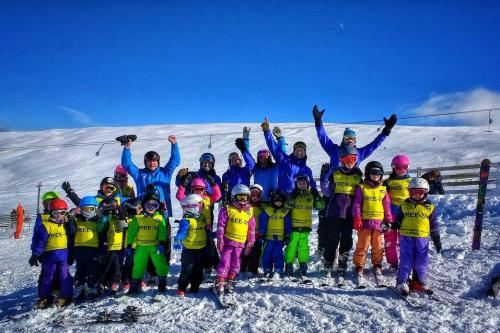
127, 191
257, 212
345, 184
147, 232
276, 223
207, 210
398, 190
237, 224
114, 235
116, 197
196, 237
57, 236
86, 233
416, 219
301, 212
373, 209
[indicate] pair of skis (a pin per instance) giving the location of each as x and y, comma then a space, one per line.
225, 300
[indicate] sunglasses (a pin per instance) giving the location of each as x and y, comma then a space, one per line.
58, 212
417, 191
400, 167
152, 206
197, 189
349, 138
241, 197
349, 159
110, 188
88, 209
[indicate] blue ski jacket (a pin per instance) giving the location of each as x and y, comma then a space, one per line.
239, 175
268, 177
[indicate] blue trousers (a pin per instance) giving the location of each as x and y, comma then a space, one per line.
56, 270
273, 254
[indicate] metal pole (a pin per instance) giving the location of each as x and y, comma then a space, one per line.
38, 200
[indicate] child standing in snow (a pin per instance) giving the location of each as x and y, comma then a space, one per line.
371, 207
397, 187
275, 229
235, 232
416, 220
130, 208
192, 238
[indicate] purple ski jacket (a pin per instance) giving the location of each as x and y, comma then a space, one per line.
221, 227
339, 205
358, 205
40, 240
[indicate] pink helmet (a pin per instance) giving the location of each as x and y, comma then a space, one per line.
120, 169
400, 160
198, 182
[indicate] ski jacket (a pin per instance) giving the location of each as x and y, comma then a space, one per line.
193, 232
289, 166
332, 149
397, 187
214, 196
224, 220
340, 204
268, 177
239, 175
202, 174
160, 178
38, 222
435, 186
147, 231
55, 249
359, 202
432, 218
264, 224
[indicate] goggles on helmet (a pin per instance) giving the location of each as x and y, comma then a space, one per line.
234, 157
152, 206
263, 152
152, 157
375, 172
350, 138
417, 191
207, 157
299, 144
197, 189
349, 159
58, 212
254, 193
400, 167
120, 177
87, 208
241, 197
110, 188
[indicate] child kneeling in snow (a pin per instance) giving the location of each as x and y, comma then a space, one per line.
416, 220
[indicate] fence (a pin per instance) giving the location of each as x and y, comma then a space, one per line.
6, 221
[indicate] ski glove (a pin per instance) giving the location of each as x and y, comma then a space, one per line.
182, 173
160, 249
248, 248
211, 234
210, 180
286, 240
386, 226
163, 209
240, 144
246, 133
437, 243
33, 261
317, 116
220, 244
265, 125
129, 252
262, 239
122, 224
188, 178
67, 187
389, 124
315, 192
324, 169
71, 261
357, 223
177, 244
71, 214
277, 132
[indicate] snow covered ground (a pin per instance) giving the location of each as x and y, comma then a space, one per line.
280, 307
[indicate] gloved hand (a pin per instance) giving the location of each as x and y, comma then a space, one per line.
182, 172
246, 133
71, 214
248, 248
437, 243
122, 224
277, 132
357, 223
71, 261
129, 252
386, 226
389, 124
188, 178
211, 234
220, 244
33, 260
324, 169
177, 244
163, 208
286, 240
160, 249
262, 240
317, 116
265, 125
210, 179
67, 187
240, 143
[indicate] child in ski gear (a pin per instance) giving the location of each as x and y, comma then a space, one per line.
340, 187
301, 203
149, 232
107, 189
435, 181
121, 178
275, 229
130, 208
110, 226
237, 173
192, 238
86, 243
349, 138
250, 263
371, 206
235, 232
51, 241
152, 174
289, 165
397, 187
416, 220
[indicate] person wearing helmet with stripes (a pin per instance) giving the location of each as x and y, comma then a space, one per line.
108, 188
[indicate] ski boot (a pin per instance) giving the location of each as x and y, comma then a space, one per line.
289, 270
125, 287
100, 290
79, 292
230, 284
267, 275
219, 285
42, 303
92, 293
327, 270
394, 268
403, 289
152, 281
422, 286
134, 287
278, 273
62, 302
114, 289
303, 269
143, 285
207, 275
194, 289
162, 284
181, 293
359, 270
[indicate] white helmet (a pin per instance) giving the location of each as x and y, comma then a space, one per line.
234, 155
239, 189
191, 204
257, 187
419, 183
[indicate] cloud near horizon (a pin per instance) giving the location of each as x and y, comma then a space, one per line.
478, 99
79, 116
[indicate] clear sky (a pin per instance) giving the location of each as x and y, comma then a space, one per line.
66, 64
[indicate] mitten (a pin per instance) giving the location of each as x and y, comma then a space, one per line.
220, 244
160, 249
437, 243
67, 187
240, 143
317, 116
357, 223
210, 179
265, 125
389, 124
277, 132
33, 261
324, 169
248, 248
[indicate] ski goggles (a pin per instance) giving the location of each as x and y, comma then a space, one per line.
152, 206
88, 209
234, 157
241, 197
152, 157
375, 172
263, 152
120, 177
350, 138
417, 191
400, 167
299, 144
58, 212
278, 199
255, 194
198, 189
110, 188
349, 159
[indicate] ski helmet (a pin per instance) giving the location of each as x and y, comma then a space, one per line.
85, 204
108, 181
370, 168
151, 195
301, 177
50, 195
239, 189
198, 182
346, 150
207, 157
257, 187
256, 192
419, 183
153, 156
264, 152
88, 201
234, 155
277, 194
299, 144
58, 204
400, 160
192, 204
131, 206
119, 170
108, 206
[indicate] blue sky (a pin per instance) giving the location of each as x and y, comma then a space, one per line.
66, 64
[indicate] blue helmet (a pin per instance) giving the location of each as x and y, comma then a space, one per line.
88, 201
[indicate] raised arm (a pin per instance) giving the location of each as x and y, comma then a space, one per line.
175, 158
128, 165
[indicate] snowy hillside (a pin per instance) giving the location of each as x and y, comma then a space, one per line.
279, 307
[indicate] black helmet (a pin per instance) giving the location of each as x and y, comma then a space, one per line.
277, 193
151, 155
301, 177
371, 165
207, 157
346, 150
108, 181
130, 206
108, 206
151, 195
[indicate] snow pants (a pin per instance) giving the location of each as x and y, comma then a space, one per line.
365, 238
273, 256
299, 245
211, 255
250, 263
42, 274
230, 261
110, 268
191, 268
53, 269
141, 257
322, 226
391, 238
87, 266
414, 254
337, 231
128, 265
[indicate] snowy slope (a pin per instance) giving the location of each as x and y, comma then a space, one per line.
284, 306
